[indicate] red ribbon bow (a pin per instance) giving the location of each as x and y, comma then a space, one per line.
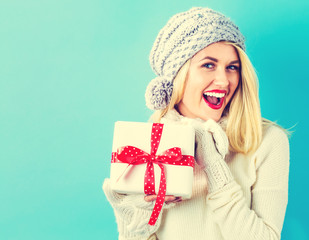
135, 156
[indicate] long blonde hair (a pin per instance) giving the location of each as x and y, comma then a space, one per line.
244, 125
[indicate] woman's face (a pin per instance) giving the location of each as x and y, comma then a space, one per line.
213, 77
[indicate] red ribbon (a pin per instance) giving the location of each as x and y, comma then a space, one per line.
135, 156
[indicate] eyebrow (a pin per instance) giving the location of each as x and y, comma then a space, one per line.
235, 62
216, 60
210, 58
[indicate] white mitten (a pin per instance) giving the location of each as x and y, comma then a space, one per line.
132, 214
211, 147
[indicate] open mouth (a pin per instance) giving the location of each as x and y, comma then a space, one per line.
214, 99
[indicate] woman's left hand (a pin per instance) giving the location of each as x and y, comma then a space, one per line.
212, 142
211, 147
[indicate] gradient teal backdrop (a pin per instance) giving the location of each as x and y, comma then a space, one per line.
70, 69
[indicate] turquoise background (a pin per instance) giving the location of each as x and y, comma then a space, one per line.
70, 69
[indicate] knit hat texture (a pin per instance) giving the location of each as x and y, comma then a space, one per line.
180, 39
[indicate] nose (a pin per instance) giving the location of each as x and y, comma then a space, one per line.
221, 78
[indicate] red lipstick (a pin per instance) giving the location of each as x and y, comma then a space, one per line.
220, 102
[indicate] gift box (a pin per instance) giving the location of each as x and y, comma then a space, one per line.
144, 153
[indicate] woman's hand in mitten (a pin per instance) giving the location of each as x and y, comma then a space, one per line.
211, 147
211, 141
132, 213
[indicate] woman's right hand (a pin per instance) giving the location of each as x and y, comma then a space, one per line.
133, 212
168, 199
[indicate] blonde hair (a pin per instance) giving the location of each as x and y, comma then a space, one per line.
245, 124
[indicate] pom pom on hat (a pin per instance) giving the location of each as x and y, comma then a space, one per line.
158, 93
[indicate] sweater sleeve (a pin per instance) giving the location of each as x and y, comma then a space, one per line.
269, 195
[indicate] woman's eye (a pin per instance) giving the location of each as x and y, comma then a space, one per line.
208, 65
233, 67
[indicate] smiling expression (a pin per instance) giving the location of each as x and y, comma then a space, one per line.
212, 79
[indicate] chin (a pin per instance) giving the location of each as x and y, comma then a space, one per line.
215, 118
212, 114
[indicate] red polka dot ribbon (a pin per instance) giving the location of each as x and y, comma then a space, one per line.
135, 156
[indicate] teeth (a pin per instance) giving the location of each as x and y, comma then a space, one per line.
218, 95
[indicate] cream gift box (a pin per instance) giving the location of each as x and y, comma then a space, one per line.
129, 179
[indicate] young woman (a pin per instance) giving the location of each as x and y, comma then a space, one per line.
240, 188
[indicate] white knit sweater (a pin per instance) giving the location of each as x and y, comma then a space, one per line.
250, 207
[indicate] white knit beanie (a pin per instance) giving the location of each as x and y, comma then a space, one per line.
181, 38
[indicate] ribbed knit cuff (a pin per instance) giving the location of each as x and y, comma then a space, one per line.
135, 227
152, 237
218, 175
133, 238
